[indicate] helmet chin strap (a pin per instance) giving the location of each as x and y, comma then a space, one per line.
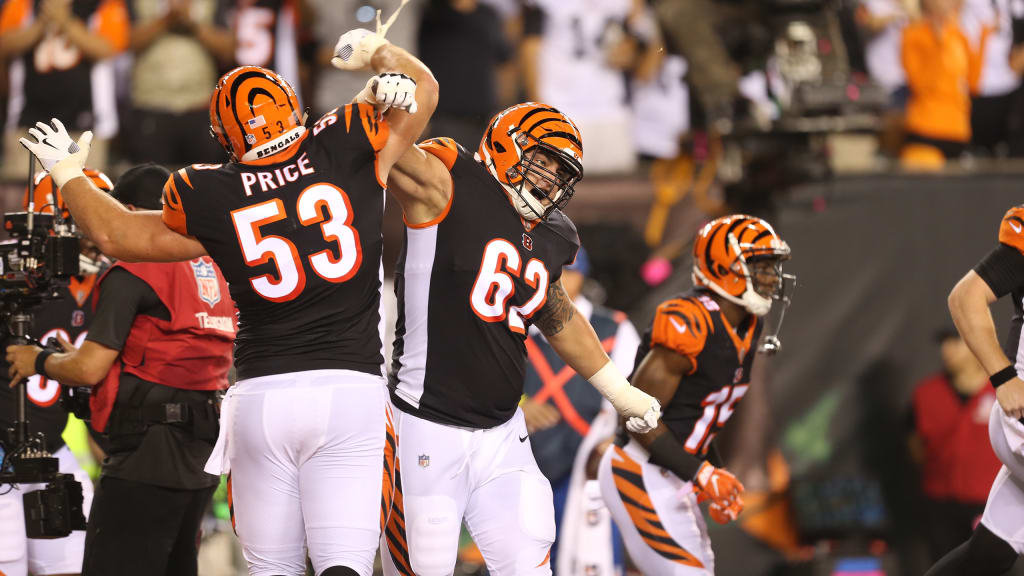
750, 300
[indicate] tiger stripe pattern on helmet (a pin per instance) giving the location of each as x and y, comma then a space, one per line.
629, 482
521, 128
254, 113
722, 251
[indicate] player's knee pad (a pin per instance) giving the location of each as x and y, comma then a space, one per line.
433, 525
536, 511
537, 521
339, 571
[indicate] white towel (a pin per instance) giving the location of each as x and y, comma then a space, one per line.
219, 462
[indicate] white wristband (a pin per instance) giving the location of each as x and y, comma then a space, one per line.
609, 382
65, 171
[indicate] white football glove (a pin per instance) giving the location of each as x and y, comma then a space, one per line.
647, 422
61, 156
390, 91
355, 48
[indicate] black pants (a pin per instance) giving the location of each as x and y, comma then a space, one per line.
172, 139
948, 524
137, 528
991, 121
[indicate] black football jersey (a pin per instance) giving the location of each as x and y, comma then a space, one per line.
68, 318
299, 241
467, 284
694, 326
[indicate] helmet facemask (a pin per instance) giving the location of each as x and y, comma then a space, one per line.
761, 270
541, 163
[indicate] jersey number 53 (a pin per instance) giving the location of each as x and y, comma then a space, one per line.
494, 286
336, 228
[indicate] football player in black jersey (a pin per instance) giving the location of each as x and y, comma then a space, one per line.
696, 359
998, 540
67, 320
294, 223
485, 244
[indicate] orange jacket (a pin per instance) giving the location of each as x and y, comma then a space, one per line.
942, 70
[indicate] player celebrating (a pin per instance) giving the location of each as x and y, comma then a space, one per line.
485, 243
696, 359
999, 538
294, 222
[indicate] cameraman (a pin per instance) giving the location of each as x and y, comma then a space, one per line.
158, 351
67, 319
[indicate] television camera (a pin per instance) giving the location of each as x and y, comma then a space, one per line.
39, 259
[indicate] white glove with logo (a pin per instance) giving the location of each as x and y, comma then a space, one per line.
61, 156
390, 91
355, 48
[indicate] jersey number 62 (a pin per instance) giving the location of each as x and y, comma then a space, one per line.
494, 285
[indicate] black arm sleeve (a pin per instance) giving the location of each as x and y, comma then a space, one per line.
1002, 269
668, 453
122, 297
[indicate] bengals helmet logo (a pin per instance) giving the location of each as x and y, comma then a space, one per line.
254, 113
725, 252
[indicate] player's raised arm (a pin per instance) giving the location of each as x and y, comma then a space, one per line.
572, 337
117, 231
404, 87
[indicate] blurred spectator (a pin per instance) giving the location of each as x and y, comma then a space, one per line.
179, 46
660, 97
269, 33
574, 53
882, 22
561, 405
661, 108
988, 27
941, 71
463, 42
691, 28
59, 53
950, 441
335, 17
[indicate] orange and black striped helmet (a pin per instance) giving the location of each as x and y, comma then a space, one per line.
46, 196
728, 257
254, 113
508, 150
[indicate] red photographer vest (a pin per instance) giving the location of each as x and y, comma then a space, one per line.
192, 350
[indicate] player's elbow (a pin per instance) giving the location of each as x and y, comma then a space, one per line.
969, 293
112, 248
428, 92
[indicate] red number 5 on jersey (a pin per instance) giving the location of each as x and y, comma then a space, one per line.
291, 277
494, 286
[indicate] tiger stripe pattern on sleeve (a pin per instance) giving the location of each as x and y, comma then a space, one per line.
682, 325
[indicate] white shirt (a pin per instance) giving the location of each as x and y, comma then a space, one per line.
883, 51
997, 78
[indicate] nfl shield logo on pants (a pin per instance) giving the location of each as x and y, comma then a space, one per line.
206, 281
424, 460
